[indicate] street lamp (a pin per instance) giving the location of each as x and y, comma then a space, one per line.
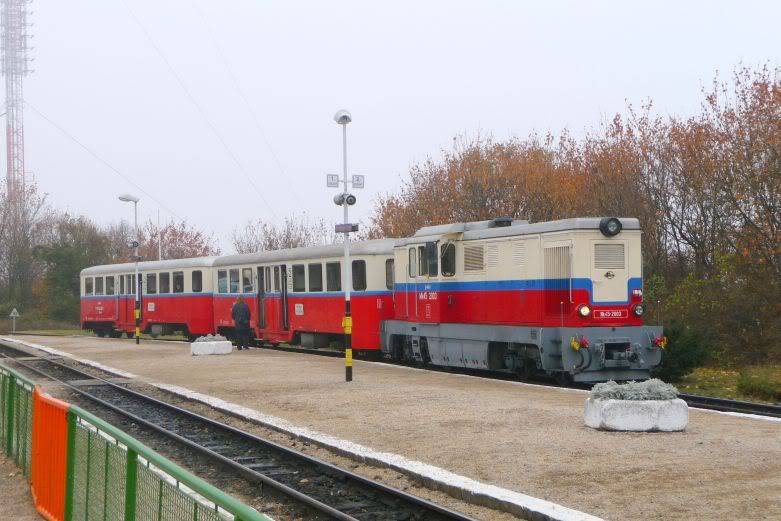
128, 198
342, 118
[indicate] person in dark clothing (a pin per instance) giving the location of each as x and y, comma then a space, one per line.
241, 318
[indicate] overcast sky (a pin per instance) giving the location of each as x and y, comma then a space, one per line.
222, 111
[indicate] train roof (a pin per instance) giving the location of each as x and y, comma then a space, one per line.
129, 267
504, 227
373, 247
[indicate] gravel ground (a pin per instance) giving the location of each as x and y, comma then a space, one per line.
524, 438
16, 502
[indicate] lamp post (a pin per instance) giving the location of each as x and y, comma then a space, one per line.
127, 198
343, 118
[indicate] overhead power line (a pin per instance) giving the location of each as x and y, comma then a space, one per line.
234, 79
198, 107
101, 159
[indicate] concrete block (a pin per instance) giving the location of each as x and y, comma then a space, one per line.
637, 415
211, 348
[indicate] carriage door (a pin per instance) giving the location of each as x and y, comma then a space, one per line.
280, 275
261, 299
557, 269
412, 286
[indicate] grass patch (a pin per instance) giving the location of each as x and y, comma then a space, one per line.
758, 383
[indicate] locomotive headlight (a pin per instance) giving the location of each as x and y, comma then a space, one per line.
584, 311
638, 309
610, 226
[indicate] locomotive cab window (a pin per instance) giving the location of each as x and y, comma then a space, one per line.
422, 263
448, 259
246, 280
197, 281
333, 275
359, 275
110, 285
98, 285
88, 286
165, 283
233, 276
151, 283
315, 277
178, 282
222, 281
299, 278
413, 263
389, 273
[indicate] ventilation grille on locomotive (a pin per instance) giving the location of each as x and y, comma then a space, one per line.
609, 256
474, 257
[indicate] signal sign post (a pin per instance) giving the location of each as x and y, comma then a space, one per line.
14, 315
346, 199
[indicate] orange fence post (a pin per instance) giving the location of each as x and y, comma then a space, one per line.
50, 455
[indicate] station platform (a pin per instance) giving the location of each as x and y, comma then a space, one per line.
525, 438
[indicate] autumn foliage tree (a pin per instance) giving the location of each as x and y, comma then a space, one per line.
706, 188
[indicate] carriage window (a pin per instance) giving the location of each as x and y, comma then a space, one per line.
234, 280
178, 282
276, 278
98, 285
222, 281
165, 283
267, 279
88, 286
121, 284
448, 254
389, 273
299, 278
151, 283
246, 280
131, 284
197, 281
413, 263
110, 285
333, 276
359, 275
315, 277
422, 261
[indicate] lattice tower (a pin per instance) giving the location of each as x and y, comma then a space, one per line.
15, 64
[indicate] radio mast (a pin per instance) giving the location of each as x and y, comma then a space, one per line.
15, 63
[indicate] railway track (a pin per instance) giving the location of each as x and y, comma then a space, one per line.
332, 492
697, 401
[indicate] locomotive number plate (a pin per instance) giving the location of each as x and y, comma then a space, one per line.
610, 313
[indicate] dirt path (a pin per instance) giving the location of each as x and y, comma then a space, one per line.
16, 503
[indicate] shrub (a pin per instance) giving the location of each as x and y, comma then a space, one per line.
686, 351
760, 384
653, 389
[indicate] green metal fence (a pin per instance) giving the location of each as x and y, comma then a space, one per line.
111, 476
16, 417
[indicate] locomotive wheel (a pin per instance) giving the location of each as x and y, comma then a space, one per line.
100, 332
526, 372
563, 378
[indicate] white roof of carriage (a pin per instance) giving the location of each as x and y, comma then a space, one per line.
170, 264
373, 247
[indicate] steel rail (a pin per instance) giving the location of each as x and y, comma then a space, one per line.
430, 510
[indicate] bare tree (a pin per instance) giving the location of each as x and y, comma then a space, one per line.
294, 232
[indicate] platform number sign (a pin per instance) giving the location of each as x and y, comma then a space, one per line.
332, 180
357, 181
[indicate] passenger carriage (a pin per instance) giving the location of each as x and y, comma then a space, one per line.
559, 297
176, 295
297, 294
